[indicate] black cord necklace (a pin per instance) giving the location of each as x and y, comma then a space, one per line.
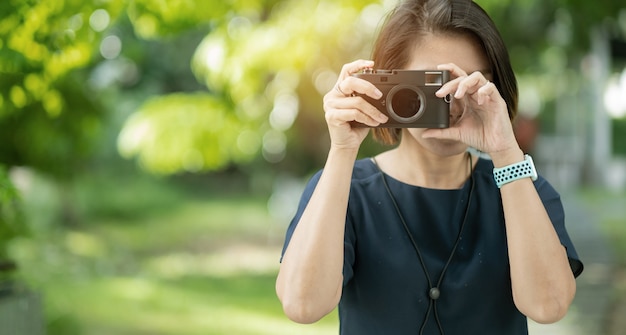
433, 292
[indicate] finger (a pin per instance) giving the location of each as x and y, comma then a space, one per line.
366, 119
353, 85
489, 91
470, 84
360, 104
338, 89
342, 116
455, 70
345, 89
451, 86
348, 69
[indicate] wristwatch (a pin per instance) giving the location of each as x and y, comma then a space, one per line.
509, 173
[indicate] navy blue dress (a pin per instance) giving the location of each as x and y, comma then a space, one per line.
385, 288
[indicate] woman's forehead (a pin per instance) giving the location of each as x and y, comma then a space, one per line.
464, 50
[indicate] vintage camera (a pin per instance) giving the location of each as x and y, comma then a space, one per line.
409, 97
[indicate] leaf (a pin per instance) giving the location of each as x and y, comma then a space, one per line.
186, 132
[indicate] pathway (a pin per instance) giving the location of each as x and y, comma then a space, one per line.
594, 286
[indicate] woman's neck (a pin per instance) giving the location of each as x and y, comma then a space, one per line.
426, 169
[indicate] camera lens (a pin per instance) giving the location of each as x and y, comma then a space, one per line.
405, 103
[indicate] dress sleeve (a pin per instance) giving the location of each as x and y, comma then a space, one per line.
304, 200
350, 235
552, 202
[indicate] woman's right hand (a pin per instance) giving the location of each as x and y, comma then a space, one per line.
343, 105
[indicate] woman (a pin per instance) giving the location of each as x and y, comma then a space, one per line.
421, 238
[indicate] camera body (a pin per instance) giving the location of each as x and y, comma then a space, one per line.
409, 97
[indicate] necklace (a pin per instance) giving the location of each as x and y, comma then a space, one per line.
434, 290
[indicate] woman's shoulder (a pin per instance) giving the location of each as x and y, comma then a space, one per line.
364, 169
484, 165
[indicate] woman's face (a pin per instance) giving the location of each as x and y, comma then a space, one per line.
465, 51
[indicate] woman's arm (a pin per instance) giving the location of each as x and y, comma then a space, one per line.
310, 278
542, 280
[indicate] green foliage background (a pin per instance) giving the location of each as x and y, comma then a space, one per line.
252, 83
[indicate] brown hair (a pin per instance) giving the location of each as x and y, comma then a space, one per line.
412, 19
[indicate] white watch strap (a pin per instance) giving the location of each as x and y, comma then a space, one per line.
509, 173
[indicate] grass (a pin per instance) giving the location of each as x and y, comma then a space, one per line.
152, 258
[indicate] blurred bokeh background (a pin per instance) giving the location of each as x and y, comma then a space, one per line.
152, 152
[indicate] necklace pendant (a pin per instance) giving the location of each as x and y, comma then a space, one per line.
434, 293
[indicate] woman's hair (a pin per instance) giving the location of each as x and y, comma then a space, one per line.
413, 19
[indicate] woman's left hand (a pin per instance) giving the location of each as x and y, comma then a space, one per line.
484, 121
